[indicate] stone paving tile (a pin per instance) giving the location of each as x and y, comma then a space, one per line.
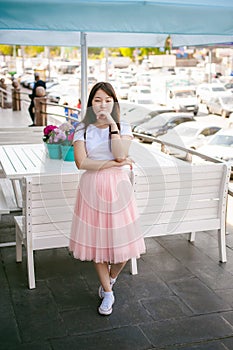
37, 314
165, 266
226, 294
85, 320
213, 275
143, 285
71, 293
186, 331
228, 343
129, 312
166, 308
198, 296
212, 345
183, 250
60, 261
125, 338
27, 346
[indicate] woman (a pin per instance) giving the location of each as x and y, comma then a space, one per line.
105, 226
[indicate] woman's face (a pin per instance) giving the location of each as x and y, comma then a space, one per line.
102, 102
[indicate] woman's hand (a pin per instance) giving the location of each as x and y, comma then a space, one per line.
105, 116
126, 161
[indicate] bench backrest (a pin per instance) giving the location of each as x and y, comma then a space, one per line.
170, 200
48, 208
181, 199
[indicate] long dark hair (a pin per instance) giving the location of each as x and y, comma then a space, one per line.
90, 117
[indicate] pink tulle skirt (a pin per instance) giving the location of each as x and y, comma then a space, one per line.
105, 225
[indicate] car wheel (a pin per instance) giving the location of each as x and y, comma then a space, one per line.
195, 113
208, 110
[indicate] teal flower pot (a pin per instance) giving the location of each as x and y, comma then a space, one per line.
54, 150
67, 153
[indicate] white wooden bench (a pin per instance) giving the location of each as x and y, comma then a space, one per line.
170, 200
186, 199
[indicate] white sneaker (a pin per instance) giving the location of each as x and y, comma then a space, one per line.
101, 289
107, 303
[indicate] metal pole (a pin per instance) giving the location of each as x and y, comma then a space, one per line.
210, 63
49, 63
23, 58
106, 64
84, 56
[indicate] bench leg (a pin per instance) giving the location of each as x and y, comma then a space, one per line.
133, 266
31, 271
18, 245
222, 246
192, 236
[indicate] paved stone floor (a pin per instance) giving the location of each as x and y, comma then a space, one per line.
182, 298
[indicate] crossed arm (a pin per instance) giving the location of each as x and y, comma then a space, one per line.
120, 148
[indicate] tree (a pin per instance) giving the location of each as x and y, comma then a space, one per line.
33, 51
168, 44
6, 50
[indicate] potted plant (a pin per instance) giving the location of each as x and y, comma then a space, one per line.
53, 137
67, 149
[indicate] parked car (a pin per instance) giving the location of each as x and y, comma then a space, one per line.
229, 86
137, 114
126, 78
206, 91
161, 124
220, 146
122, 90
222, 105
183, 99
140, 94
144, 79
192, 134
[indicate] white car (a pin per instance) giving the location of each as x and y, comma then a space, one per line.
135, 114
126, 78
220, 146
222, 105
122, 90
140, 94
183, 99
206, 91
193, 134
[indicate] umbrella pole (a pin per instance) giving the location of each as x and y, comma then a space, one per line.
84, 58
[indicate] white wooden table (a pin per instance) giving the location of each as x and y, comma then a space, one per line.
30, 159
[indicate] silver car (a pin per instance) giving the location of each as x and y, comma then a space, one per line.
222, 105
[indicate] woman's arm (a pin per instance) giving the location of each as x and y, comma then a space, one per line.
119, 144
85, 163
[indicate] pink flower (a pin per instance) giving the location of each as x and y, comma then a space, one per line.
48, 129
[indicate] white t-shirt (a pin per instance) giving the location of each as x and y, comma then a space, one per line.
98, 145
